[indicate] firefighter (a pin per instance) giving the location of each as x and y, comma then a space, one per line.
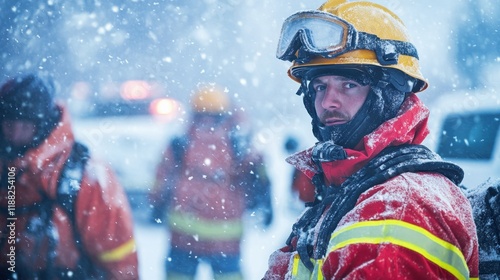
207, 179
386, 207
71, 217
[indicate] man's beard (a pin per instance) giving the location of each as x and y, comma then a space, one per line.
338, 115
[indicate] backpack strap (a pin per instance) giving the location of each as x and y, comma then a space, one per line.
389, 163
178, 146
69, 185
71, 177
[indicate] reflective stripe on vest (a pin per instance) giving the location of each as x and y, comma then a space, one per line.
119, 253
206, 229
300, 272
442, 253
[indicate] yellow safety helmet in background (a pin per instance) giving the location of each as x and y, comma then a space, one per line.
210, 99
342, 21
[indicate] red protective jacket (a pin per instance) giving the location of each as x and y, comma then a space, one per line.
103, 216
413, 226
205, 191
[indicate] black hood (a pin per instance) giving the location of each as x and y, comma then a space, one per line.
28, 98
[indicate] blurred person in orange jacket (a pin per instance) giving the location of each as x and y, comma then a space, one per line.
68, 216
386, 207
206, 180
301, 187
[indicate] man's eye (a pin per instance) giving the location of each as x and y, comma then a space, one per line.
350, 85
319, 88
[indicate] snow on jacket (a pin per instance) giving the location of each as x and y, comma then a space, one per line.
206, 190
103, 216
413, 226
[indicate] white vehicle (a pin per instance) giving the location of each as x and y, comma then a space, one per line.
465, 130
131, 145
129, 136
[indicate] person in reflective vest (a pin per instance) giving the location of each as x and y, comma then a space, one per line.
386, 207
207, 178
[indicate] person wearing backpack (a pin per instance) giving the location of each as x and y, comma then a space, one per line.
386, 207
206, 180
63, 214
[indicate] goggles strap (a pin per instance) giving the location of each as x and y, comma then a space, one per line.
387, 51
398, 79
303, 56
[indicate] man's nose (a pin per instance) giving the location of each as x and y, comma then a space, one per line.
331, 99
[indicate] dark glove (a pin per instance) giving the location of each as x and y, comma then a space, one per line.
268, 217
158, 215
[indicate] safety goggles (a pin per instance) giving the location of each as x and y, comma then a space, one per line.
315, 32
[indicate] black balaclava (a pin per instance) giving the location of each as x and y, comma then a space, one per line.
28, 98
381, 104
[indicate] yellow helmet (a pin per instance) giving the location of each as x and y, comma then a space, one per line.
210, 99
365, 18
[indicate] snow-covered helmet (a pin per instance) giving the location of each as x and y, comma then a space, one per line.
342, 33
358, 39
210, 99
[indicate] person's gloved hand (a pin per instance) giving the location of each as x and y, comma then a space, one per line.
158, 215
268, 216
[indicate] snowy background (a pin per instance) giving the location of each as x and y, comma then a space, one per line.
92, 46
230, 42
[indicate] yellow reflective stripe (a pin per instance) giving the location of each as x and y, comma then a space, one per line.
300, 272
406, 235
318, 274
119, 253
296, 264
206, 229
